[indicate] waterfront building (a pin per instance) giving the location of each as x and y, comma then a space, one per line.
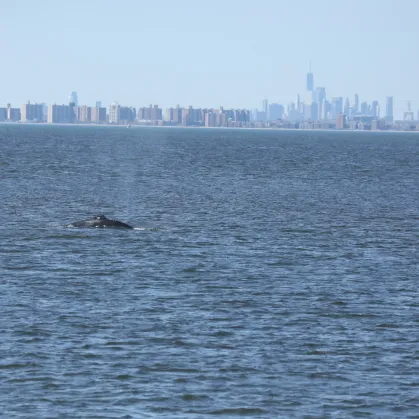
98, 115
191, 116
389, 109
168, 115
127, 114
210, 119
45, 112
177, 114
353, 125
143, 114
376, 124
340, 121
119, 114
114, 112
243, 115
32, 112
174, 115
83, 114
13, 114
61, 114
152, 113
364, 126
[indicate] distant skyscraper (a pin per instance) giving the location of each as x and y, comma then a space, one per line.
276, 111
375, 109
98, 104
293, 114
389, 109
73, 99
311, 112
265, 108
319, 95
325, 110
310, 80
364, 108
356, 103
346, 108
337, 106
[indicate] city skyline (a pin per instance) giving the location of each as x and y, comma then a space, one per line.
312, 92
167, 53
316, 113
317, 107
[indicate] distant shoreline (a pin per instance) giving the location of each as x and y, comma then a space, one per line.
270, 129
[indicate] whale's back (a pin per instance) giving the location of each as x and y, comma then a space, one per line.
99, 221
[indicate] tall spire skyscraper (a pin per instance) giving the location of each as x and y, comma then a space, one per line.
310, 80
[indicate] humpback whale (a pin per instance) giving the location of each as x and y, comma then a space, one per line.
99, 221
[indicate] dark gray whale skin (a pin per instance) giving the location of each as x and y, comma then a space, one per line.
99, 221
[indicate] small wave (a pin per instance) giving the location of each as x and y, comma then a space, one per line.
241, 411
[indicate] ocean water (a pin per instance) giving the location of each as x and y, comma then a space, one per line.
273, 273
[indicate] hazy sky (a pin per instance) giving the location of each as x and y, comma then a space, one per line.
207, 53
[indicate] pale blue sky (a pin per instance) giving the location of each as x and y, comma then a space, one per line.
232, 53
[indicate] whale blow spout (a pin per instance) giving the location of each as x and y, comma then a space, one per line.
99, 221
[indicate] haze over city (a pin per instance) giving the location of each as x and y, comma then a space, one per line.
214, 53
